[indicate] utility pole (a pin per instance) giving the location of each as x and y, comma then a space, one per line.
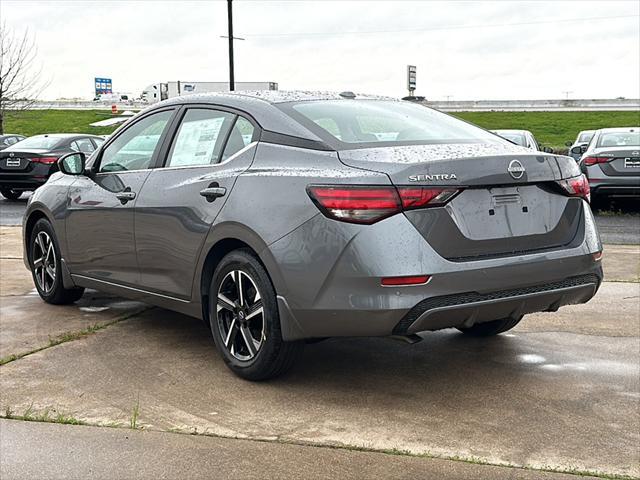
566, 94
232, 81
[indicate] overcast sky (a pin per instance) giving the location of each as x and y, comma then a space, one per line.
469, 50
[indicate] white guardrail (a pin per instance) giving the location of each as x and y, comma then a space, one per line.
617, 104
447, 106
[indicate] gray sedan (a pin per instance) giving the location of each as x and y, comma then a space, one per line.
583, 138
523, 138
281, 217
611, 162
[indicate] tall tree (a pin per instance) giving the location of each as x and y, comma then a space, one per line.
20, 78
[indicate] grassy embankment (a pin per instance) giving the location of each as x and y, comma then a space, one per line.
551, 129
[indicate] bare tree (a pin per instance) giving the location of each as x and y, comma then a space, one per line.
20, 78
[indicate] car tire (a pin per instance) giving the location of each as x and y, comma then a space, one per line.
488, 329
246, 327
10, 194
46, 266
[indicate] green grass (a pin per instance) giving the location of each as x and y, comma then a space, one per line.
68, 337
45, 416
135, 413
34, 122
551, 129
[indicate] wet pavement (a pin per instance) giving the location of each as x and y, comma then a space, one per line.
89, 452
561, 391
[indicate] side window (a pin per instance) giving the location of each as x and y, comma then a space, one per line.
82, 145
98, 141
200, 138
12, 140
134, 148
240, 137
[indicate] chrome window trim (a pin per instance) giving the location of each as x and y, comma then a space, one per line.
120, 172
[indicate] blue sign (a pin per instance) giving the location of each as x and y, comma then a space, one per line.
103, 85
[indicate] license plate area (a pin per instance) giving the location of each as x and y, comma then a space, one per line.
14, 163
506, 212
632, 162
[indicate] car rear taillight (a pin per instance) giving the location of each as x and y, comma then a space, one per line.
45, 160
405, 281
576, 187
418, 197
369, 204
588, 161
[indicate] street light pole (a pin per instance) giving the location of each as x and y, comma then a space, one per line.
232, 83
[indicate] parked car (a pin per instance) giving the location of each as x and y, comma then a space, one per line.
27, 164
583, 138
611, 162
523, 138
9, 139
279, 217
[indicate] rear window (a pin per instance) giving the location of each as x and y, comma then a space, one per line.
619, 139
383, 122
516, 138
40, 142
585, 137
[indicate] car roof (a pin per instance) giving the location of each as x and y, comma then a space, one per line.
619, 130
67, 135
280, 96
511, 131
11, 135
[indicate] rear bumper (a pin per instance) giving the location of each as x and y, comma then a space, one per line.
602, 184
467, 309
332, 273
22, 181
615, 189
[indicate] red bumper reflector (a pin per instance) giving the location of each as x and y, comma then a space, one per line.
404, 281
597, 256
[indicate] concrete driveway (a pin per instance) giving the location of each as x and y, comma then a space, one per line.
560, 393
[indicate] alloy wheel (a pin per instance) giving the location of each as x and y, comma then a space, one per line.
44, 262
240, 315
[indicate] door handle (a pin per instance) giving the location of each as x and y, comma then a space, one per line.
213, 191
126, 195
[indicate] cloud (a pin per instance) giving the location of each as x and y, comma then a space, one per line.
471, 50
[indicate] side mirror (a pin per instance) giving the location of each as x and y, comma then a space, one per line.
568, 144
579, 150
72, 163
547, 149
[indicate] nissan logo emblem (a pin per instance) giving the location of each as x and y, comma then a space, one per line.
515, 169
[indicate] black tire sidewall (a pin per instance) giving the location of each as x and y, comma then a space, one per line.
10, 194
43, 225
246, 262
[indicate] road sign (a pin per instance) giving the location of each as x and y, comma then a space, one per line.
411, 78
103, 85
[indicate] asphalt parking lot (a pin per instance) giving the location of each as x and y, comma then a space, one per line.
558, 396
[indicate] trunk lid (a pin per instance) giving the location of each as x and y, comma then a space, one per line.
509, 201
21, 160
625, 161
